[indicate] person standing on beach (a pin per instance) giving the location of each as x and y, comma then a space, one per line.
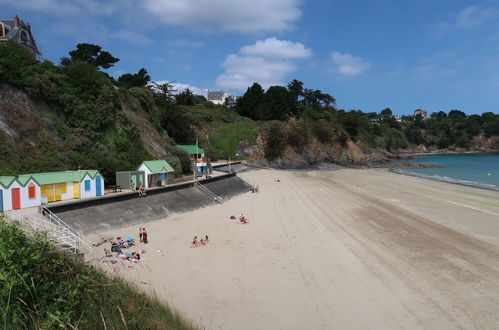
141, 233
195, 242
144, 236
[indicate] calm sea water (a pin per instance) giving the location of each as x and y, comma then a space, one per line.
471, 169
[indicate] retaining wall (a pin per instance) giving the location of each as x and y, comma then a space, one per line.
126, 209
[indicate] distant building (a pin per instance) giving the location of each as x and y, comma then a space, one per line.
15, 29
423, 113
231, 101
218, 97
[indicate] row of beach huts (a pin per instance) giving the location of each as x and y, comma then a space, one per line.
31, 190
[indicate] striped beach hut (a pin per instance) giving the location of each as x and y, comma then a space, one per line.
59, 186
158, 173
17, 193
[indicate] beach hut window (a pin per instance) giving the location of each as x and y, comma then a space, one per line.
87, 185
31, 191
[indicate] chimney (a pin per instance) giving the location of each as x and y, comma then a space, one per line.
16, 21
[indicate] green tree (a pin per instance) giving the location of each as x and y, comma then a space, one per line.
277, 104
249, 105
187, 97
94, 55
129, 80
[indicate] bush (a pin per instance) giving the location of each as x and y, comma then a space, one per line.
275, 142
41, 288
298, 135
226, 137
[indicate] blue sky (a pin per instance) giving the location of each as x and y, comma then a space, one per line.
434, 55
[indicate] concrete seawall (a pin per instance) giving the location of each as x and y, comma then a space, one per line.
125, 209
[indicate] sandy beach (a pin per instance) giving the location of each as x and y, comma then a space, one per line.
344, 249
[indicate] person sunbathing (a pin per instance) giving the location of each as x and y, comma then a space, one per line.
195, 242
243, 220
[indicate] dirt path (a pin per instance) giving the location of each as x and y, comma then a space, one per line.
323, 250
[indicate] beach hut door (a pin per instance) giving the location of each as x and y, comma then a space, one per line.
98, 188
1, 200
16, 198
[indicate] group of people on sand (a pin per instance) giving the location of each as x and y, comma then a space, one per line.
143, 235
255, 189
202, 242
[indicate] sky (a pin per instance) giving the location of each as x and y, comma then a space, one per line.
369, 55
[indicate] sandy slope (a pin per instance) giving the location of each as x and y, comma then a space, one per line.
345, 249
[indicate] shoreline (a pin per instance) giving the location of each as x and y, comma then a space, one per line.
442, 179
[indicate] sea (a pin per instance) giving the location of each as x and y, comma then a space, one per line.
472, 169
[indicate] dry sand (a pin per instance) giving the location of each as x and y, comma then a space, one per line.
346, 249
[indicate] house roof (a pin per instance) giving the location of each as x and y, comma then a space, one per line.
190, 149
157, 166
58, 177
216, 95
6, 181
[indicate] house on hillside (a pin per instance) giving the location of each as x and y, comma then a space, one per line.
18, 193
59, 186
423, 113
19, 31
158, 173
218, 97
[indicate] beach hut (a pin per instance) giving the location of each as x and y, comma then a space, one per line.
192, 150
65, 185
130, 179
18, 193
157, 173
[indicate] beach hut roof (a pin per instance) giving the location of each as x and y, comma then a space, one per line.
157, 166
6, 181
58, 177
190, 149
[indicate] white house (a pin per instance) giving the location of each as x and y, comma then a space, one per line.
218, 97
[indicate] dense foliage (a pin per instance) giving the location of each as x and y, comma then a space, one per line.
113, 125
41, 288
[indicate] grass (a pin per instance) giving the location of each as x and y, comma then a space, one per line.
42, 288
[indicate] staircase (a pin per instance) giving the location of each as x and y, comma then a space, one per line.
57, 231
203, 189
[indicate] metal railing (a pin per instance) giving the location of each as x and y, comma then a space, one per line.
65, 238
216, 199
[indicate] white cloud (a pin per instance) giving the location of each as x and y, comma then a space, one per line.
227, 15
474, 16
180, 87
267, 62
349, 65
274, 48
468, 17
196, 90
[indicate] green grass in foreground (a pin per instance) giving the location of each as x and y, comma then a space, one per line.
41, 288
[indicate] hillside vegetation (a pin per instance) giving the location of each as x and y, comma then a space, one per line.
41, 288
70, 115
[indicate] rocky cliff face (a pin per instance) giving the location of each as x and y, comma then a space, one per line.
315, 153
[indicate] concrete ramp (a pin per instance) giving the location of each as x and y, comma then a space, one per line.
126, 209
